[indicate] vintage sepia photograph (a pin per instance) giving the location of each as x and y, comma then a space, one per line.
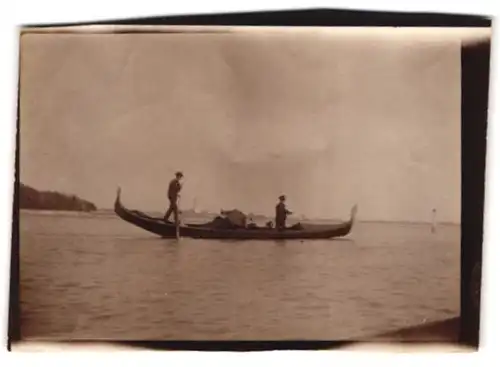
231, 183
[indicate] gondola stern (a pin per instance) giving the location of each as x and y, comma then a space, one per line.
354, 212
119, 208
118, 203
350, 224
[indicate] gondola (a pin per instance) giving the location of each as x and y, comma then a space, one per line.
159, 227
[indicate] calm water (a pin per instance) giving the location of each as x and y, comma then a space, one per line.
95, 276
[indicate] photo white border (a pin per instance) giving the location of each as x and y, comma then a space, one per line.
15, 13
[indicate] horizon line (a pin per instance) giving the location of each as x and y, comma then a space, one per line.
404, 221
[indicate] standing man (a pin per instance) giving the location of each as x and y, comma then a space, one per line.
174, 188
281, 213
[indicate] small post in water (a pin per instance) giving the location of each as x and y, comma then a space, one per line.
433, 225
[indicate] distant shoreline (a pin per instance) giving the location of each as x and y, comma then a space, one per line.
208, 215
33, 199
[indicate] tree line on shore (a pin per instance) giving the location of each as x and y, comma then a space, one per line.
30, 198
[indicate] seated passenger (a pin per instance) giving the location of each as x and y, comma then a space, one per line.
297, 227
235, 217
221, 223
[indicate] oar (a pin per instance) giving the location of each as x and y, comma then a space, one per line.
178, 221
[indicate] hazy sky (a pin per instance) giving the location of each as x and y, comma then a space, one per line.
330, 118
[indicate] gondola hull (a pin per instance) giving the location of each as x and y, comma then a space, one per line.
158, 227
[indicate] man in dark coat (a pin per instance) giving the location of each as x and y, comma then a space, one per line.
281, 213
174, 188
